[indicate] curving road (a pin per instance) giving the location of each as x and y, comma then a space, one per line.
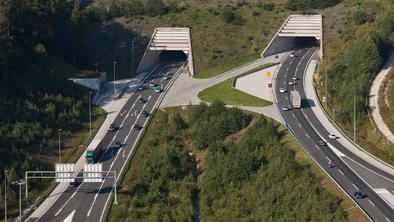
88, 201
348, 170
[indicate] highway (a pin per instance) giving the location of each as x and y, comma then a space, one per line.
88, 201
338, 161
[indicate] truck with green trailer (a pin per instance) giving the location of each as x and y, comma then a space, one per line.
94, 151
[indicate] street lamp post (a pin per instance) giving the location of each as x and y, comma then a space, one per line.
114, 76
59, 130
90, 114
5, 195
96, 64
354, 114
132, 56
19, 183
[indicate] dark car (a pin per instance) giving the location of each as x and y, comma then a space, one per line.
359, 195
322, 143
74, 184
141, 100
113, 127
137, 126
118, 145
144, 113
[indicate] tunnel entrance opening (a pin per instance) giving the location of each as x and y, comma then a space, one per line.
305, 42
172, 56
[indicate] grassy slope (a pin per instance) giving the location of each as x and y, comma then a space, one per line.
338, 31
131, 175
218, 46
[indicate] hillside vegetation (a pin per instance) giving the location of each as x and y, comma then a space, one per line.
244, 171
353, 58
35, 101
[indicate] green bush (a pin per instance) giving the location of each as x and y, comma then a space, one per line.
310, 4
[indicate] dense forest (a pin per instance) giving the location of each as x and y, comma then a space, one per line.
36, 101
245, 172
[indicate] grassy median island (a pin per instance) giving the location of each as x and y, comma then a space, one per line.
226, 93
250, 168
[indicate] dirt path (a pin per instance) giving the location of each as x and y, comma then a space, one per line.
374, 98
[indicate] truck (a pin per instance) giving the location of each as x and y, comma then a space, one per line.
94, 151
295, 99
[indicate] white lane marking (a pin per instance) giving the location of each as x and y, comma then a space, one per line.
299, 125
123, 112
287, 70
371, 203
112, 164
327, 158
317, 147
370, 170
284, 82
355, 186
293, 115
285, 75
341, 172
387, 219
121, 125
177, 73
69, 218
337, 152
307, 135
287, 98
75, 192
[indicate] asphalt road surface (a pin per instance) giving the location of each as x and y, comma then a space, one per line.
309, 130
88, 201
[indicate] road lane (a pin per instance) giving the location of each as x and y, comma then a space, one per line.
87, 202
306, 134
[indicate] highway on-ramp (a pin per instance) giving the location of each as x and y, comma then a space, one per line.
88, 201
338, 161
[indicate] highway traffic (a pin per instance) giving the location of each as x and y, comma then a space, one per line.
89, 201
329, 154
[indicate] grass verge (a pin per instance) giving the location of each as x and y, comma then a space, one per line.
225, 92
209, 73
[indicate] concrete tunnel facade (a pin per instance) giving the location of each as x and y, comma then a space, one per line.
297, 31
168, 45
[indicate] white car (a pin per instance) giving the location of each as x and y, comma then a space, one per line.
294, 78
285, 108
332, 136
282, 90
292, 55
291, 83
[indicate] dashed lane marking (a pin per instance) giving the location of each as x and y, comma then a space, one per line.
371, 203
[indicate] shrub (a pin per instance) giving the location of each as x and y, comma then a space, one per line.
310, 4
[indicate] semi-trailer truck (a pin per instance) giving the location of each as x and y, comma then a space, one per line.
295, 98
94, 151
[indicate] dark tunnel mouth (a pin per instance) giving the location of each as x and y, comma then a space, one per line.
172, 56
305, 42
